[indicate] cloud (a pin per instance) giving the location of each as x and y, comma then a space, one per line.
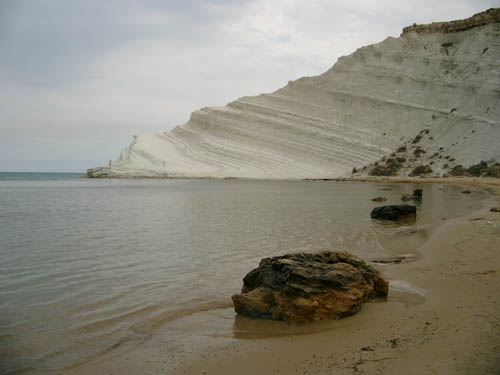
87, 75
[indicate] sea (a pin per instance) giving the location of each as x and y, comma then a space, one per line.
92, 266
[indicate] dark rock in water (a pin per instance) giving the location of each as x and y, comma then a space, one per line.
379, 199
394, 212
495, 209
417, 194
303, 287
466, 192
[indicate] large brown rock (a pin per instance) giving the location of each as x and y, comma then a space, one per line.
304, 287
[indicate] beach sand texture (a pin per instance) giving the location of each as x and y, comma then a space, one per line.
451, 325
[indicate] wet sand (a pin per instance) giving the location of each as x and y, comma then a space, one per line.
450, 326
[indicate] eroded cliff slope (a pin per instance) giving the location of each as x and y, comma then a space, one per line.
441, 80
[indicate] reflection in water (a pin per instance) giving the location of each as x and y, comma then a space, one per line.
247, 328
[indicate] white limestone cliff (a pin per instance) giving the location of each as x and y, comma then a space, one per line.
363, 108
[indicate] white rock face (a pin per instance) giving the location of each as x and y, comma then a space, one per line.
363, 108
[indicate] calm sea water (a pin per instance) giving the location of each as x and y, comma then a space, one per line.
90, 266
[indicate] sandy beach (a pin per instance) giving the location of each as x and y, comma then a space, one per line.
450, 326
175, 175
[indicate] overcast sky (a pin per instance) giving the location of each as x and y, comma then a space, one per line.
78, 78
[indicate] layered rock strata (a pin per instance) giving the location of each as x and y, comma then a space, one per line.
480, 19
303, 287
444, 84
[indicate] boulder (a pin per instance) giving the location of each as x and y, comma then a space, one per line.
379, 199
394, 212
417, 194
304, 287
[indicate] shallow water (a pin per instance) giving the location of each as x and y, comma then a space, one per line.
93, 266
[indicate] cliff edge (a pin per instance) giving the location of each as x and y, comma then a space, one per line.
491, 15
437, 85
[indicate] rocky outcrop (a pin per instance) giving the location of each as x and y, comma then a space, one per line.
303, 287
434, 92
394, 212
417, 194
480, 19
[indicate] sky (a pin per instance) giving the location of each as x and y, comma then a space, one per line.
79, 78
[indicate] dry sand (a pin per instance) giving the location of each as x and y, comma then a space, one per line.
452, 328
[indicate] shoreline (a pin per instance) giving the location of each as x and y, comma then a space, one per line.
477, 181
454, 328
465, 180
